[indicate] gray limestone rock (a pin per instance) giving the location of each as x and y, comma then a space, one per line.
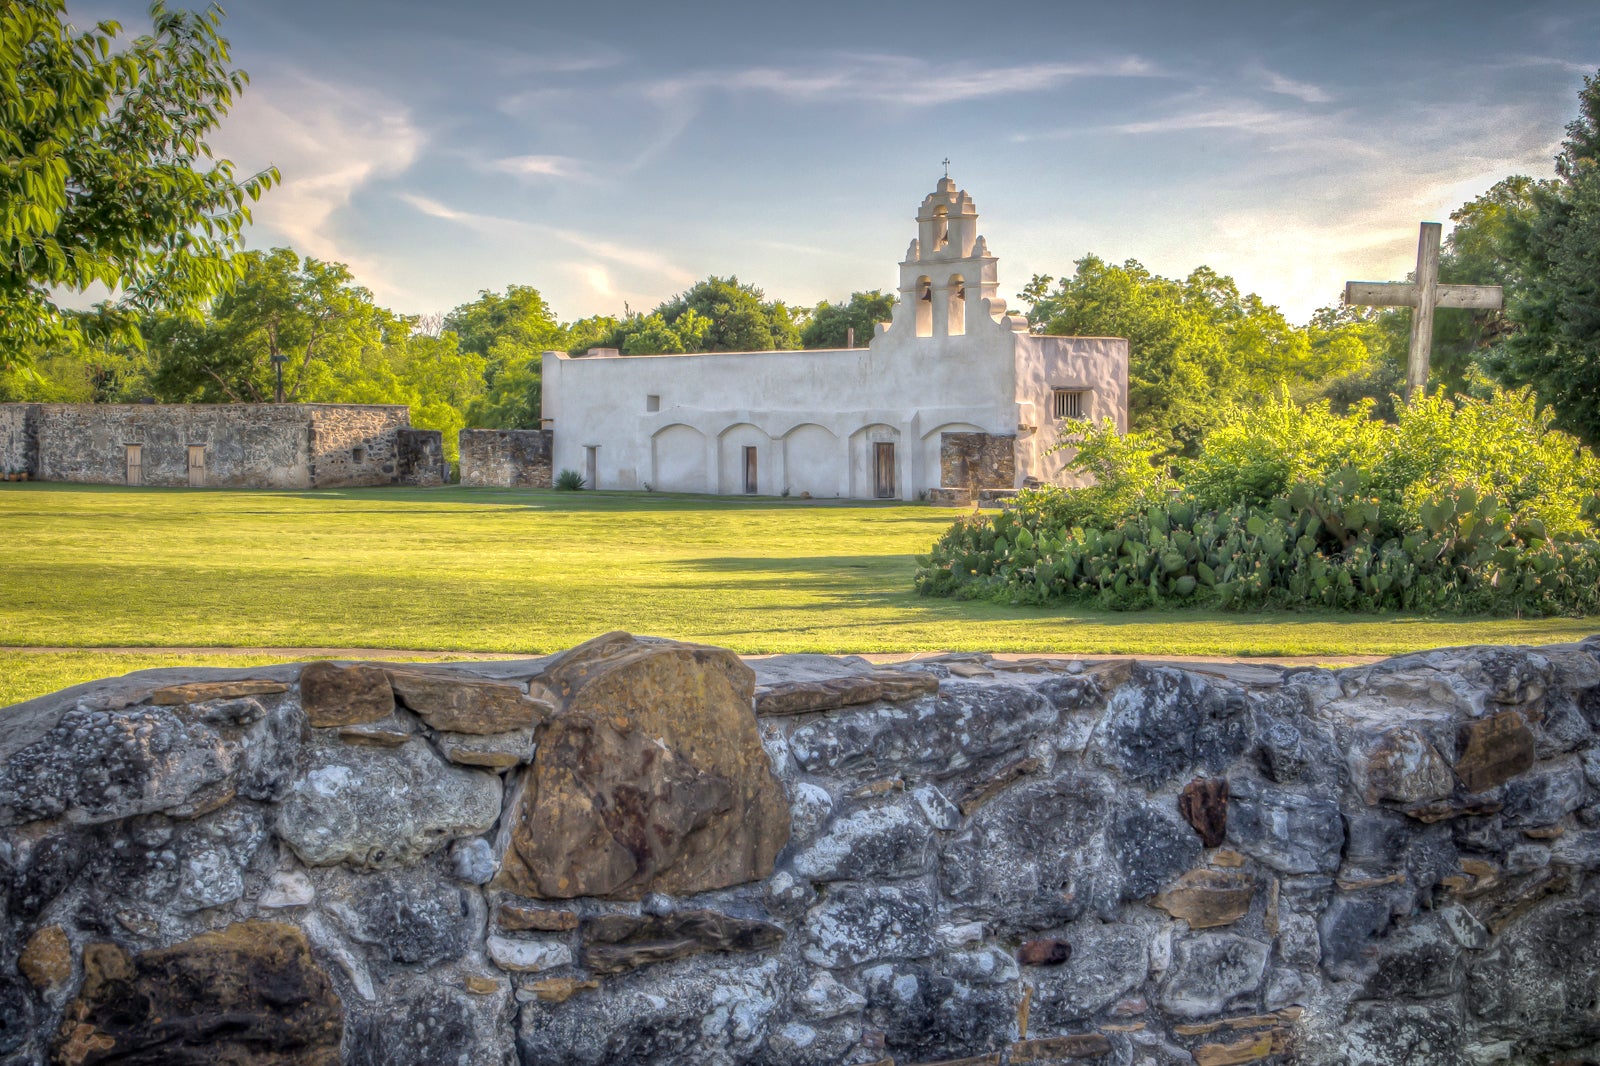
1396, 1034
273, 752
810, 807
101, 766
1543, 795
1352, 923
410, 917
1563, 728
1107, 963
341, 808
1034, 856
420, 1023
1210, 970
933, 1013
1537, 983
1290, 832
863, 923
825, 998
214, 852
1167, 721
1420, 958
889, 840
677, 1014
473, 861
1151, 844
967, 724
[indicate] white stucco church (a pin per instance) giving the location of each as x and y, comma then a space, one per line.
953, 397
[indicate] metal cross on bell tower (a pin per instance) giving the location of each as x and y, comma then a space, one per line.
947, 166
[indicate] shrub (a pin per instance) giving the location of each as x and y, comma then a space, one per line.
1476, 506
569, 481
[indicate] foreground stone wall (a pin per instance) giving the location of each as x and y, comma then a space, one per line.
648, 852
285, 446
506, 458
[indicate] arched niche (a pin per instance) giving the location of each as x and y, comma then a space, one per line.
678, 459
814, 461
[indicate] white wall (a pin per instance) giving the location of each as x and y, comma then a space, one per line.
799, 408
1098, 365
814, 415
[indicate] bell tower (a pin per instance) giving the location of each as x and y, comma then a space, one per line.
948, 272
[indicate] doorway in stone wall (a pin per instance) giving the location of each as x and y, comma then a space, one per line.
591, 465
883, 470
197, 466
750, 480
134, 471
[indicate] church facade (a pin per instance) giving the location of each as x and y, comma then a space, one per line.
952, 399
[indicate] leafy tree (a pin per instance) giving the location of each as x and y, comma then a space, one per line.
830, 323
1556, 306
511, 333
1195, 344
714, 315
595, 331
1488, 246
107, 176
309, 312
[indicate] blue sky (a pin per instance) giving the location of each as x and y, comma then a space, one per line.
610, 152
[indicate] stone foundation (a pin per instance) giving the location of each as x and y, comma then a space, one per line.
963, 497
977, 461
275, 446
506, 458
420, 458
648, 852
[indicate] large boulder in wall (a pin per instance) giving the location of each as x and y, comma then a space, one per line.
649, 777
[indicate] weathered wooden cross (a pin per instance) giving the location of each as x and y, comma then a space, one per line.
1424, 295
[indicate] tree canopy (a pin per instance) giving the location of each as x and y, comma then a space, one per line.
714, 315
108, 177
1194, 344
1554, 264
510, 333
830, 323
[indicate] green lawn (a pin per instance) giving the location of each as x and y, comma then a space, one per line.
531, 572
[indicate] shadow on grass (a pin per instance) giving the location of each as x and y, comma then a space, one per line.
858, 580
496, 498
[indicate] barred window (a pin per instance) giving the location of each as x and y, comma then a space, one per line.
1069, 403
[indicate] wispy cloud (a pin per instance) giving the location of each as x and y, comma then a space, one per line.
539, 166
328, 141
642, 259
1300, 90
897, 79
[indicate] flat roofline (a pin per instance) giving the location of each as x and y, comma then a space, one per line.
586, 358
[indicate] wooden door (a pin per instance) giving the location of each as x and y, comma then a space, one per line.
883, 470
135, 469
750, 481
197, 466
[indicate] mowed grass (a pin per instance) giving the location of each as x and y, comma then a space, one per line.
529, 572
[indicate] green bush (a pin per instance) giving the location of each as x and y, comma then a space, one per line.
1472, 507
569, 481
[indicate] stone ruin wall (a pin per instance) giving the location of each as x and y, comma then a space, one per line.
420, 458
506, 458
649, 852
19, 438
981, 466
282, 446
354, 446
